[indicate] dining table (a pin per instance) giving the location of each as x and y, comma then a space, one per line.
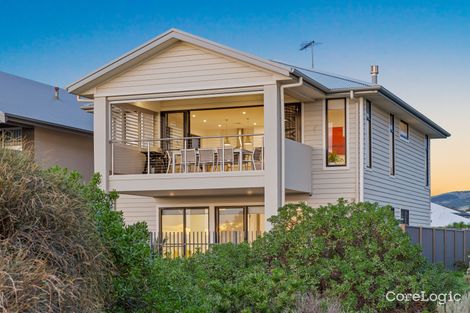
237, 151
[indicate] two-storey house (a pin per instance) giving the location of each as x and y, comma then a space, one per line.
198, 137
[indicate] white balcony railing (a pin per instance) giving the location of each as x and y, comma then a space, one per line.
188, 155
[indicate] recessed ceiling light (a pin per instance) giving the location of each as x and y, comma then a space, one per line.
194, 115
220, 125
243, 112
204, 121
254, 123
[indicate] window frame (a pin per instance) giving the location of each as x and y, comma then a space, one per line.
392, 165
325, 129
245, 218
298, 122
183, 243
405, 217
369, 134
407, 138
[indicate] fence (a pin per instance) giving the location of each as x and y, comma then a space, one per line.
441, 245
179, 244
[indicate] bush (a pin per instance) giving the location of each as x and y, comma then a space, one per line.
51, 257
352, 251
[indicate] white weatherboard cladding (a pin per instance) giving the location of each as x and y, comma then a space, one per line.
183, 67
406, 190
329, 184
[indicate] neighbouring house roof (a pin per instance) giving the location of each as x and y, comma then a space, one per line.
34, 102
326, 82
443, 216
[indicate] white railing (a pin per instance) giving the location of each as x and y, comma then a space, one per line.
184, 244
188, 155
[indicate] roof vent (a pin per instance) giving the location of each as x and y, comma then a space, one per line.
56, 93
374, 72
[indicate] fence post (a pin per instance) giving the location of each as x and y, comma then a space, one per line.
433, 245
445, 247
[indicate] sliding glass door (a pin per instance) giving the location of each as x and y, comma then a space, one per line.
184, 231
238, 224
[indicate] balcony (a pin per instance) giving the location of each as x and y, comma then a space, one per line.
232, 164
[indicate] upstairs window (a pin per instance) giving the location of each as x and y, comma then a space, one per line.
404, 131
368, 136
392, 144
293, 121
336, 150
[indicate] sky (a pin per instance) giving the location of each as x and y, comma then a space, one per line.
422, 48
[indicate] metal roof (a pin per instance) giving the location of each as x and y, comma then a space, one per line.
33, 101
328, 80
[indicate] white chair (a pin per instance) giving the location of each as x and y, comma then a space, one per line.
258, 158
225, 157
206, 157
188, 158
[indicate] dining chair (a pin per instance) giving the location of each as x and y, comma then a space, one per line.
169, 161
228, 157
258, 158
248, 159
206, 157
188, 158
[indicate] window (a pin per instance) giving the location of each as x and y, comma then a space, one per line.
369, 134
404, 130
405, 217
392, 144
293, 121
11, 138
336, 132
237, 224
184, 231
427, 155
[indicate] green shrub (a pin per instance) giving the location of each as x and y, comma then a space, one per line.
352, 251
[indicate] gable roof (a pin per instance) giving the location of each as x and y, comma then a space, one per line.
326, 82
28, 100
161, 42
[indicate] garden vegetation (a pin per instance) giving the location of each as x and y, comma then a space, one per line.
342, 257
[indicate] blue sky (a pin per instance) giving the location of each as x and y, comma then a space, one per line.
422, 47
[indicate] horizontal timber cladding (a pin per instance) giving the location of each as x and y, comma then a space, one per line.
329, 184
183, 66
407, 188
138, 209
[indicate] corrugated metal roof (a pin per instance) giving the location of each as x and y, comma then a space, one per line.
31, 100
329, 80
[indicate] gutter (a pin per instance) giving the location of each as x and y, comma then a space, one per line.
19, 119
413, 111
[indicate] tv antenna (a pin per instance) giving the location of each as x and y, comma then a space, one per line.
309, 44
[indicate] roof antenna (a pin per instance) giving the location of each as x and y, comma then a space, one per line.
309, 44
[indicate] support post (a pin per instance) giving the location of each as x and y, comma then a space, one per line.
101, 137
273, 191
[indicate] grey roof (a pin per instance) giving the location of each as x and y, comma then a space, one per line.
33, 101
328, 80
